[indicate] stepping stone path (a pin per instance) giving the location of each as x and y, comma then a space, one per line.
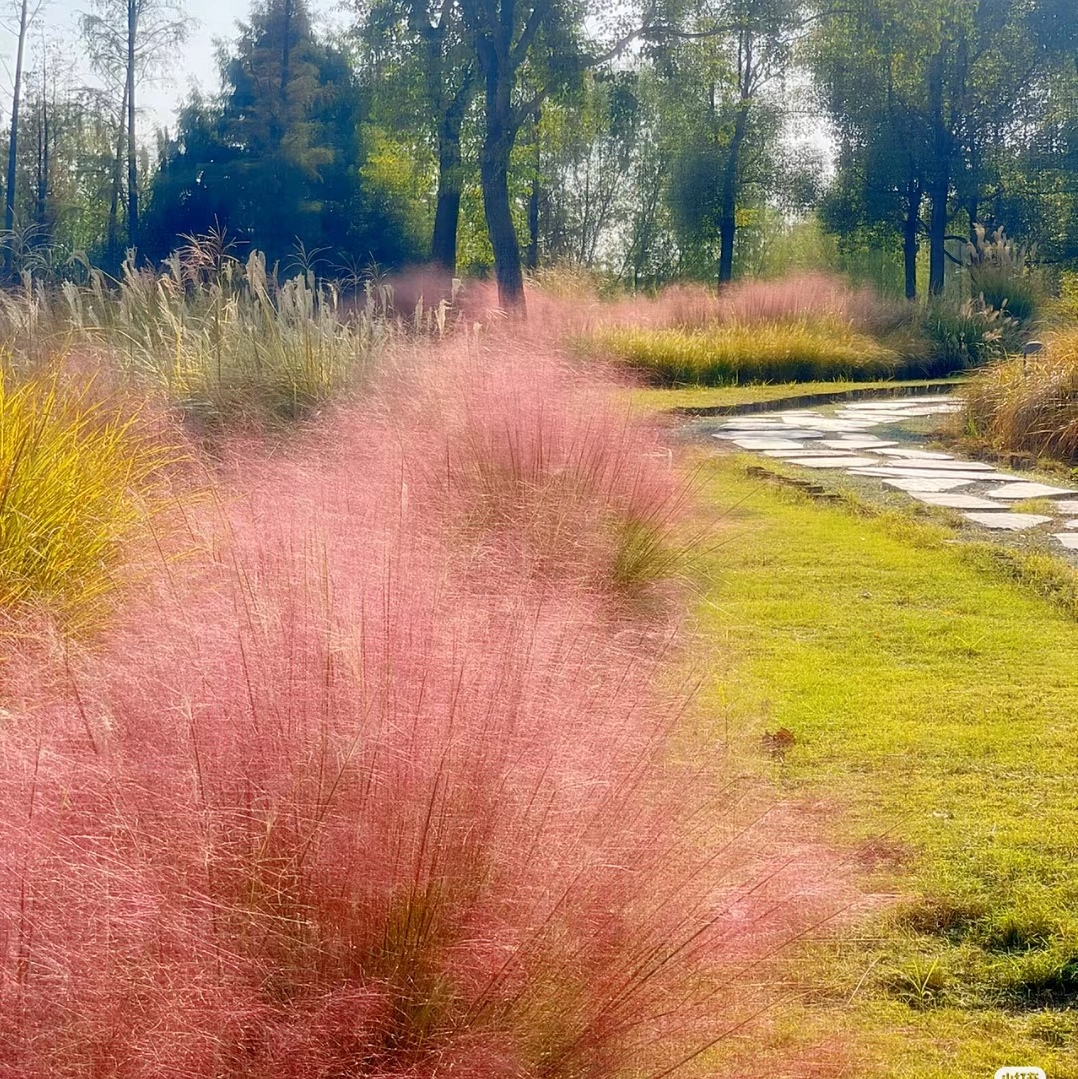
844, 440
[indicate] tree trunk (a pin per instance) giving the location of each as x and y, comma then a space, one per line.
940, 187
498, 138
531, 256
112, 235
42, 206
286, 71
12, 153
494, 177
728, 207
937, 236
132, 149
443, 244
911, 237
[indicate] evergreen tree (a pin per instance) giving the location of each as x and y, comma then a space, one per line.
277, 158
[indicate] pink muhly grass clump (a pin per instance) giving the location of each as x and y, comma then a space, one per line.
797, 298
524, 459
331, 802
808, 297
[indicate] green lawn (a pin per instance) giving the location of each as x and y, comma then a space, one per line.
661, 400
935, 709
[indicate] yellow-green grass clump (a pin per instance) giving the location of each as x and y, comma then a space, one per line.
1029, 404
734, 353
76, 480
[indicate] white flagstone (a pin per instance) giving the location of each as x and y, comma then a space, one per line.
1011, 522
1028, 490
767, 444
919, 455
838, 461
869, 442
925, 484
955, 502
840, 426
890, 471
915, 463
807, 451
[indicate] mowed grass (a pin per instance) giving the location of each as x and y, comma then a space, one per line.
663, 400
934, 707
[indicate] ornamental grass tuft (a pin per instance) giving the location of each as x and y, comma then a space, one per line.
77, 479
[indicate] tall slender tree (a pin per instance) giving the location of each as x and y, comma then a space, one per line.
26, 16
129, 41
421, 73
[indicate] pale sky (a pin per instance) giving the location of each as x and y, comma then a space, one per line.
194, 63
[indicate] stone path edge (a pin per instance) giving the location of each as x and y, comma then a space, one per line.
907, 389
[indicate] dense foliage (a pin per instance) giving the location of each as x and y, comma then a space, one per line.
646, 143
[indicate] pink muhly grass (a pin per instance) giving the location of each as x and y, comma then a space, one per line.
526, 459
332, 801
798, 298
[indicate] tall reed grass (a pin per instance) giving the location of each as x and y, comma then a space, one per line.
227, 342
1029, 404
1001, 275
235, 345
77, 479
359, 790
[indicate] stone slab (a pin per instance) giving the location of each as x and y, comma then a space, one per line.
955, 502
839, 426
869, 442
941, 465
1011, 522
774, 431
896, 414
889, 470
1073, 523
889, 404
1028, 490
767, 444
753, 425
926, 485
1066, 505
763, 433
807, 451
1068, 539
919, 455
838, 461
873, 419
